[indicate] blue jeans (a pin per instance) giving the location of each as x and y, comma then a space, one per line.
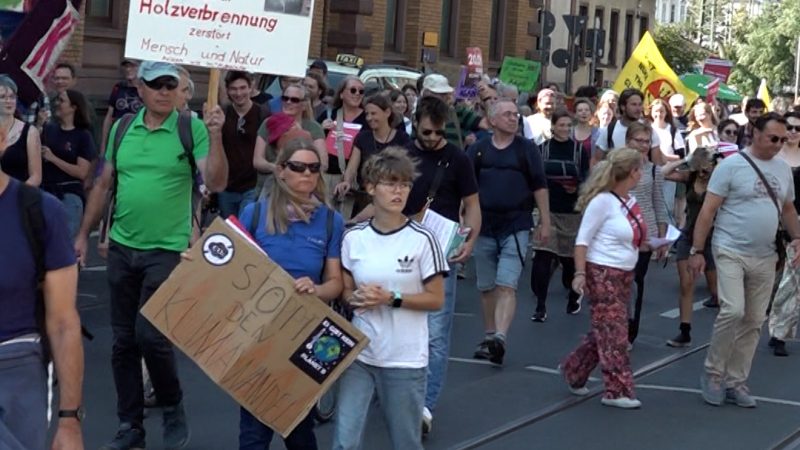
499, 261
254, 435
232, 203
401, 394
439, 325
73, 205
23, 397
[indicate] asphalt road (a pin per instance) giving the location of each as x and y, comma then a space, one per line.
524, 404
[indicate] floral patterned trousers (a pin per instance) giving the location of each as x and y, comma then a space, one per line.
786, 305
608, 290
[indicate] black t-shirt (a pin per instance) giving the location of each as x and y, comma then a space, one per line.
124, 99
365, 141
68, 145
565, 166
458, 180
505, 193
239, 143
333, 160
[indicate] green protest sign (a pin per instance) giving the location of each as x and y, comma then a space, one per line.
522, 73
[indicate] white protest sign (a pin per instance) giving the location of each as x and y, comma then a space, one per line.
261, 36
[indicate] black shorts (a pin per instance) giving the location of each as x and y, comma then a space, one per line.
683, 246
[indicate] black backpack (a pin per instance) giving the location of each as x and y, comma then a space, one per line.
33, 225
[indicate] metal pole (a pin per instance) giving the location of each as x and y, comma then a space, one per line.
593, 64
543, 76
797, 71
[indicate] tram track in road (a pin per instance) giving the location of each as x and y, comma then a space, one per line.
563, 406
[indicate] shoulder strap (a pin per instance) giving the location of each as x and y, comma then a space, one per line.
636, 219
480, 147
340, 140
764, 181
253, 225
33, 224
522, 161
441, 166
328, 230
187, 138
673, 131
610, 137
123, 125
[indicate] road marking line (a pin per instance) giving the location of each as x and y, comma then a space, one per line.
471, 361
676, 312
656, 387
551, 371
94, 269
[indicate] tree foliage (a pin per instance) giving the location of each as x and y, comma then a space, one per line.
680, 53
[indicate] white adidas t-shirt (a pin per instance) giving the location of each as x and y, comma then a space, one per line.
400, 261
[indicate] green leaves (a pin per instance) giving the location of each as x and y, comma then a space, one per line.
680, 53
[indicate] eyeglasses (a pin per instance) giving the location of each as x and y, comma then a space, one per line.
356, 91
791, 128
511, 114
439, 133
776, 139
8, 98
300, 167
395, 185
641, 141
287, 99
729, 131
162, 82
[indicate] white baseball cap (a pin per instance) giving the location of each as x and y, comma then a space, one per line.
437, 84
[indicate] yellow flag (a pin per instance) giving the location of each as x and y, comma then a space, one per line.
647, 71
763, 94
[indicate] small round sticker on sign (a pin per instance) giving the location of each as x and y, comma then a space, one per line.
218, 249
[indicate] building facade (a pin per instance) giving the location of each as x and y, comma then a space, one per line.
671, 11
425, 34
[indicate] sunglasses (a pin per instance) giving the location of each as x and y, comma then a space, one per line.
791, 128
729, 131
240, 125
776, 139
287, 99
162, 82
439, 133
356, 91
300, 167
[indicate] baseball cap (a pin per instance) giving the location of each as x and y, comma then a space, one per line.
677, 100
437, 84
319, 64
150, 70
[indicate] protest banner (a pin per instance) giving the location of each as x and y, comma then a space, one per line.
471, 74
647, 71
522, 73
261, 36
718, 68
236, 314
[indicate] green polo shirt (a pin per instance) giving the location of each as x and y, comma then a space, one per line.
154, 184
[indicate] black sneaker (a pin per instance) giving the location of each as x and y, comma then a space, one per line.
712, 302
680, 341
780, 348
772, 342
497, 350
482, 352
539, 316
128, 438
574, 307
176, 430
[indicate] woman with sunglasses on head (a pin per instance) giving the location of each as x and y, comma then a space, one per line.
702, 127
606, 250
566, 165
727, 130
393, 276
380, 133
785, 313
402, 108
700, 166
295, 104
22, 157
302, 235
68, 151
649, 193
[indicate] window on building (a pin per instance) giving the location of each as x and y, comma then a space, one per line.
394, 34
613, 38
598, 22
99, 10
497, 32
628, 35
583, 11
672, 13
644, 25
448, 33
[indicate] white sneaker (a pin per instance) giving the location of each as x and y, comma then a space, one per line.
582, 391
622, 402
427, 420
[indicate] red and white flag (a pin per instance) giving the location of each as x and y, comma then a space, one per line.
712, 89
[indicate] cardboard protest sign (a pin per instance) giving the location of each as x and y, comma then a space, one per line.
522, 73
471, 74
236, 314
259, 36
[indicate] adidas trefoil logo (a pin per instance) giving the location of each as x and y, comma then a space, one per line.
405, 264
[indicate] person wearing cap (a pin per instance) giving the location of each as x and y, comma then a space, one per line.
151, 227
537, 127
677, 105
463, 122
124, 98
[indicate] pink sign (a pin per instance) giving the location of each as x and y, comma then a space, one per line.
718, 68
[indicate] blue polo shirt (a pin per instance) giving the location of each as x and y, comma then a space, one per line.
17, 267
301, 251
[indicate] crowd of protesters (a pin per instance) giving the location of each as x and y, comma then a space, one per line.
334, 182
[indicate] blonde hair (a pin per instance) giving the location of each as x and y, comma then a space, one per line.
308, 113
281, 197
617, 166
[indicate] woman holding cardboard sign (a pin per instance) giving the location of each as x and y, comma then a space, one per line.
300, 233
393, 275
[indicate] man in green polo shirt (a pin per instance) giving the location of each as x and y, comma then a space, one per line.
151, 227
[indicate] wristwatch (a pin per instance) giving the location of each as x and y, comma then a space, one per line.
397, 299
695, 251
77, 414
